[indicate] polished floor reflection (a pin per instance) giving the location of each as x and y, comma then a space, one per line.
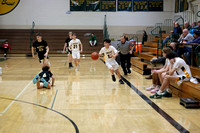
88, 97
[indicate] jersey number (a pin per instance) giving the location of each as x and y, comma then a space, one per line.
75, 46
109, 56
44, 75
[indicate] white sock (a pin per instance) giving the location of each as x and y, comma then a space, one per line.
158, 86
159, 92
153, 86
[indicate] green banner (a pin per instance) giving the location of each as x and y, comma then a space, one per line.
92, 5
176, 6
183, 5
140, 5
77, 5
108, 5
155, 5
124, 5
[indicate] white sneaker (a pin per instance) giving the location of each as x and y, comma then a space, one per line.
77, 68
151, 88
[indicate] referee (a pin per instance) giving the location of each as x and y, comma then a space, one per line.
125, 54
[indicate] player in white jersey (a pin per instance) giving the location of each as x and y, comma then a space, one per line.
110, 53
179, 71
76, 47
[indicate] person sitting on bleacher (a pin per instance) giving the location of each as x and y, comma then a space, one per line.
187, 25
196, 40
184, 38
156, 74
179, 71
93, 40
198, 25
194, 27
177, 31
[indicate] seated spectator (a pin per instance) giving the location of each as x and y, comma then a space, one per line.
184, 38
193, 28
5, 48
187, 25
188, 50
158, 63
144, 37
177, 31
156, 73
93, 40
178, 72
198, 25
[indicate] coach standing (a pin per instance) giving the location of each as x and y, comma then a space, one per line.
125, 54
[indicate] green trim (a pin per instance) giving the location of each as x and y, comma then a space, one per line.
181, 19
159, 41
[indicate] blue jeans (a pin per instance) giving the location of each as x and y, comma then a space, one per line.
166, 39
187, 54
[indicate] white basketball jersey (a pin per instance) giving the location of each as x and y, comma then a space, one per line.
75, 45
108, 52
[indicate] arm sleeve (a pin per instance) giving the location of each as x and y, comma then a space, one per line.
40, 74
9, 46
115, 50
50, 74
177, 64
33, 45
79, 41
45, 44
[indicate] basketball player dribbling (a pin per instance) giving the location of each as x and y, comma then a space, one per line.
110, 53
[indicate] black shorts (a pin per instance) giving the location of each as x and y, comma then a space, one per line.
41, 58
68, 51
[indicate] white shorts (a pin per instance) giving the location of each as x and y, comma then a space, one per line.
181, 78
112, 64
76, 54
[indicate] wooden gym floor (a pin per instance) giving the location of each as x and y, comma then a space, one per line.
85, 101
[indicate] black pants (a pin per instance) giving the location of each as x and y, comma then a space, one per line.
125, 59
5, 50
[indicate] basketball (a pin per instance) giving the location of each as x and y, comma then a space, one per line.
94, 55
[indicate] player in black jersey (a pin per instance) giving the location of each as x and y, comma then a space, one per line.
44, 77
66, 49
42, 49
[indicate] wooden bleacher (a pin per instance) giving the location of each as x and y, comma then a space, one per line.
19, 39
141, 61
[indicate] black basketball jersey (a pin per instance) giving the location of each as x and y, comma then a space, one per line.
40, 47
67, 41
46, 75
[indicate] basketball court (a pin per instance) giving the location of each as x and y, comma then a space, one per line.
85, 101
